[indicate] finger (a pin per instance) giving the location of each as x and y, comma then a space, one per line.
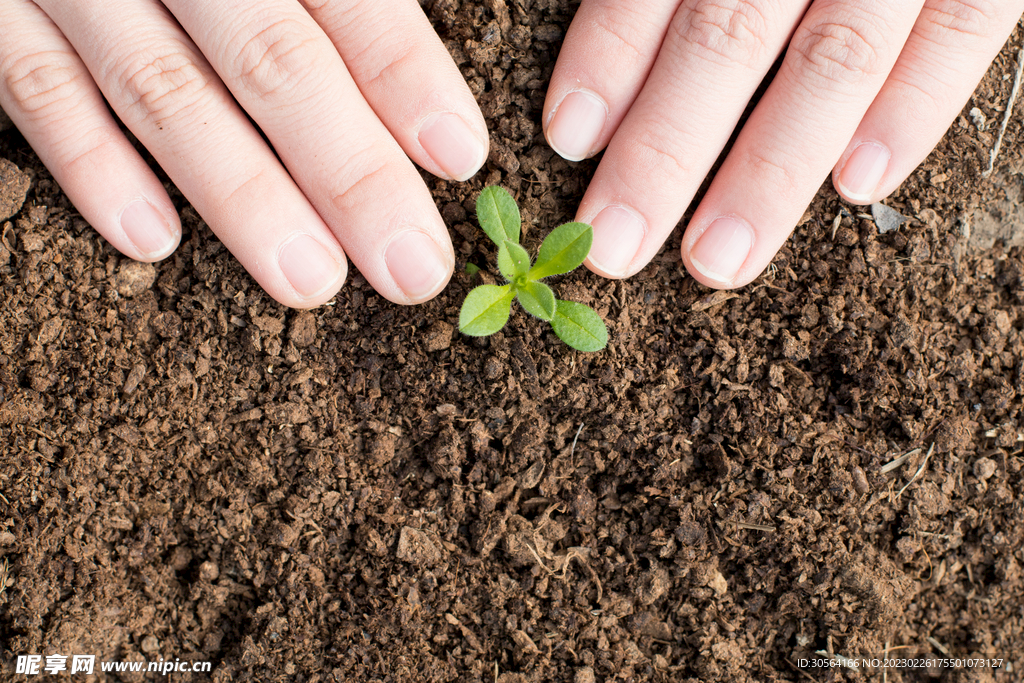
715, 56
948, 52
50, 96
170, 98
603, 64
408, 77
836, 64
288, 76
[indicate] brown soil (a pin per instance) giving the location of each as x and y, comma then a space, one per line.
359, 493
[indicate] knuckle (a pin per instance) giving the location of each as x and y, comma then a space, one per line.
925, 92
783, 177
623, 26
362, 177
159, 85
246, 190
388, 74
656, 150
838, 52
93, 146
42, 83
729, 31
962, 18
273, 60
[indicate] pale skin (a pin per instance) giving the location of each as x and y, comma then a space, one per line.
351, 93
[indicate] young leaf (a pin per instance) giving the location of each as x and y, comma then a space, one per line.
579, 326
472, 269
485, 310
513, 260
498, 215
563, 250
537, 299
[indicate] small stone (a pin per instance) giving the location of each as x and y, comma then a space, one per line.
654, 583
302, 331
887, 219
860, 480
134, 278
717, 583
14, 185
50, 330
180, 558
285, 536
984, 468
585, 675
209, 571
167, 325
269, 324
138, 371
493, 368
530, 477
150, 644
382, 449
439, 336
417, 547
31, 242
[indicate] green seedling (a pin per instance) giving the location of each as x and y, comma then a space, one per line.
487, 307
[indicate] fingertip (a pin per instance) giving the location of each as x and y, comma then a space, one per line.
154, 234
450, 141
419, 266
859, 175
576, 125
719, 254
619, 232
314, 273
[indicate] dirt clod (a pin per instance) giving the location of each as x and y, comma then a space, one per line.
417, 547
14, 186
134, 278
984, 468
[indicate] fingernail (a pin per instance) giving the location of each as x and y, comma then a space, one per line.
148, 229
309, 267
453, 146
417, 264
863, 172
577, 125
722, 250
618, 233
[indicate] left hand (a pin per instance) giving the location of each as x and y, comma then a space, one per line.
866, 89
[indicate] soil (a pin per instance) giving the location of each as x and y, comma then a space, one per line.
359, 493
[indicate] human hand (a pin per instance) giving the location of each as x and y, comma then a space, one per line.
343, 89
866, 89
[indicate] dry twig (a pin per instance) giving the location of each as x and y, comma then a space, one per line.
1006, 115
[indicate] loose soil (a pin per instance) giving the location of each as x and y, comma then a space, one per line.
359, 493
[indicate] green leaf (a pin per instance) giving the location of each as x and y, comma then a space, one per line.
563, 250
505, 265
472, 269
485, 310
579, 326
498, 215
537, 299
513, 260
